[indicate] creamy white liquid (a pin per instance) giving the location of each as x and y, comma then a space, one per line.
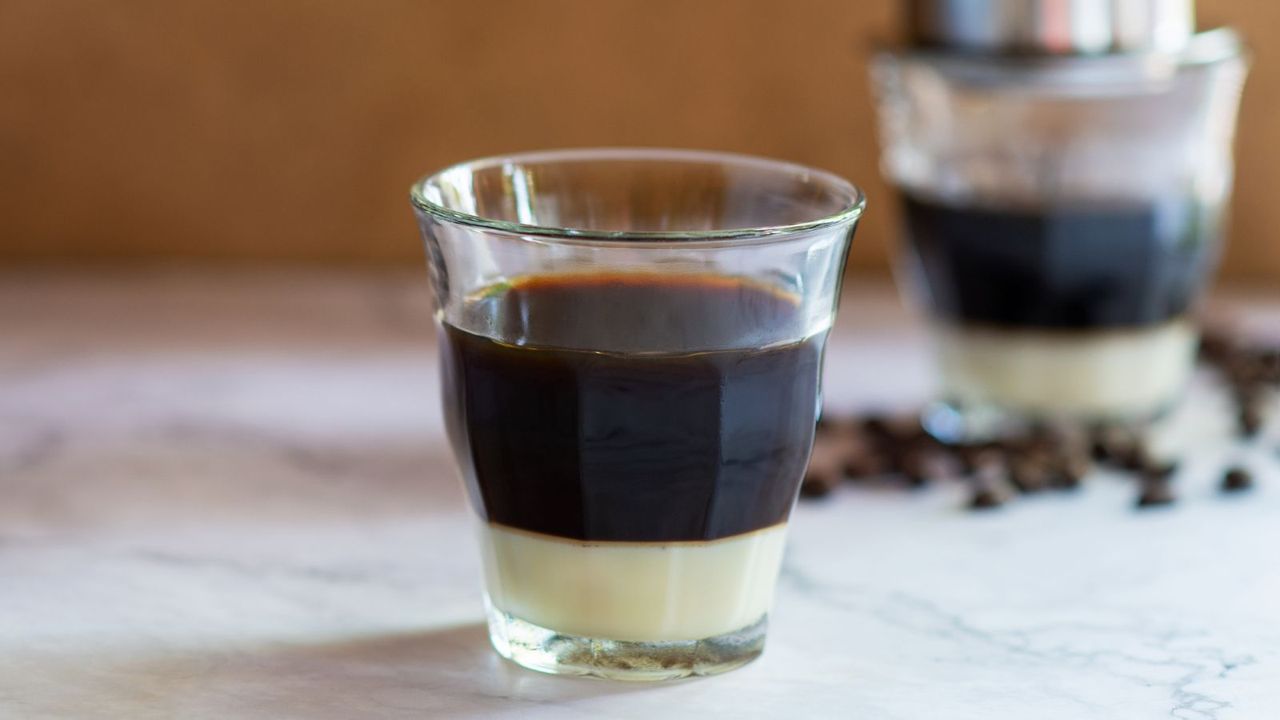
1098, 374
633, 591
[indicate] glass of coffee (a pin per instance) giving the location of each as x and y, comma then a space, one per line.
631, 342
1062, 216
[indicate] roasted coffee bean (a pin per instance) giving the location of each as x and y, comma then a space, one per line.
1068, 440
1247, 392
1241, 371
816, 486
868, 457
1077, 464
1064, 481
974, 458
913, 432
915, 480
1099, 450
876, 426
1216, 344
1236, 479
1249, 420
852, 455
914, 465
1071, 470
954, 464
1042, 436
1136, 459
1139, 458
1270, 359
1118, 445
991, 473
862, 466
825, 467
989, 482
1029, 473
1155, 493
985, 498
1153, 469
891, 452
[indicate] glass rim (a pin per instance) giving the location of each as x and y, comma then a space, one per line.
850, 212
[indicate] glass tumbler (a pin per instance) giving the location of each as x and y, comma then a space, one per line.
1062, 216
630, 346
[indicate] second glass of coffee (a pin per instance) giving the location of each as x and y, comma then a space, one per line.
1062, 205
631, 343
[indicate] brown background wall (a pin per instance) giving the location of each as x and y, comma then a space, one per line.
283, 130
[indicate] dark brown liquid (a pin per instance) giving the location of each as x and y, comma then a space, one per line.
632, 407
1095, 265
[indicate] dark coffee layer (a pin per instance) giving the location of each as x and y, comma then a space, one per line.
1095, 265
658, 441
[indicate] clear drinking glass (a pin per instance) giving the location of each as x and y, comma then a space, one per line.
631, 343
1062, 216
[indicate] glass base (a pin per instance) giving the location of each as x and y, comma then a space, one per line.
958, 423
545, 650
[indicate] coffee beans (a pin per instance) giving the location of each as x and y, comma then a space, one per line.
896, 452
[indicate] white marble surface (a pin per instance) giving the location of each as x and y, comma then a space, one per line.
227, 496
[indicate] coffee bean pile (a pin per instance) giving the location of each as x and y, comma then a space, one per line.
1250, 372
896, 451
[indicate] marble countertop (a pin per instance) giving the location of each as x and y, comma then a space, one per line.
228, 496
